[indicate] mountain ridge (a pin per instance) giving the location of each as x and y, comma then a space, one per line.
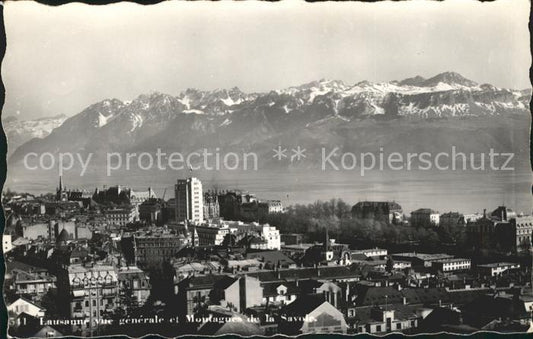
230, 117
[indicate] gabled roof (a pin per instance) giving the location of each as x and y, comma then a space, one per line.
225, 282
270, 289
326, 273
29, 302
303, 305
369, 296
426, 296
202, 282
243, 328
401, 312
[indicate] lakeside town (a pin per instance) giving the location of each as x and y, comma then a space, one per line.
211, 262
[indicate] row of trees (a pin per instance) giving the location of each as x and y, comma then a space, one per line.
335, 215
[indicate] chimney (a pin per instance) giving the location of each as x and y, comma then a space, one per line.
484, 213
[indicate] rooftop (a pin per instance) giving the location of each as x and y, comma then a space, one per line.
497, 264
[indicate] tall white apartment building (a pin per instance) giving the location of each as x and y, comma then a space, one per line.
189, 200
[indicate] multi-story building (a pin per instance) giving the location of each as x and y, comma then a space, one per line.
91, 294
269, 234
495, 269
121, 216
372, 252
269, 207
452, 219
134, 285
32, 282
210, 235
481, 233
515, 235
451, 264
36, 230
503, 213
291, 239
150, 211
152, 250
189, 200
425, 217
194, 292
420, 259
523, 231
386, 211
294, 317
211, 207
381, 320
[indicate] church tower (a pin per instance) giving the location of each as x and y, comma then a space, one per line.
61, 192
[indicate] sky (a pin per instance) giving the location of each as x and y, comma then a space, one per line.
60, 60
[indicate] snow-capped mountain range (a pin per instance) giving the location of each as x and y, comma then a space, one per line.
236, 119
20, 131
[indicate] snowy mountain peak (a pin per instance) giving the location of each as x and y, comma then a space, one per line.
450, 78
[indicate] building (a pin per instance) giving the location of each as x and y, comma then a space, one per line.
150, 211
271, 259
152, 250
269, 207
291, 239
6, 243
225, 322
514, 236
420, 259
448, 265
189, 200
134, 284
473, 217
452, 219
425, 217
497, 268
121, 216
311, 315
211, 235
32, 282
236, 205
385, 319
481, 233
523, 230
503, 213
211, 207
23, 305
279, 293
34, 231
372, 252
81, 196
269, 234
195, 292
91, 294
238, 293
120, 195
386, 211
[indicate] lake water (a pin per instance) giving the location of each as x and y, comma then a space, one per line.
444, 191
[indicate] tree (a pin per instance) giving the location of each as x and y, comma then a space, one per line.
389, 266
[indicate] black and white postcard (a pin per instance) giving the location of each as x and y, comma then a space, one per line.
263, 168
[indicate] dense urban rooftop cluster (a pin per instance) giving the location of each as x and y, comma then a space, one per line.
122, 261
